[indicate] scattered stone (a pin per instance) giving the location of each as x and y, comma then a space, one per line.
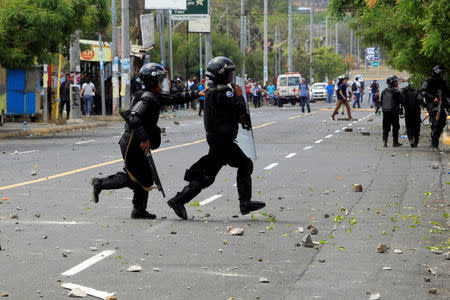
432, 270
45, 237
235, 216
64, 254
221, 250
176, 122
14, 216
156, 269
77, 293
263, 280
427, 279
326, 216
173, 232
225, 241
322, 260
37, 215
398, 251
447, 255
4, 294
207, 215
236, 231
382, 248
93, 248
33, 173
231, 298
314, 230
370, 120
18, 208
348, 129
309, 226
163, 218
376, 296
163, 129
387, 268
301, 229
297, 244
357, 188
307, 241
435, 166
135, 268
432, 291
260, 259
365, 133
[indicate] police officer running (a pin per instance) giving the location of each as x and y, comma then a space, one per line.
411, 103
390, 104
141, 134
435, 93
225, 108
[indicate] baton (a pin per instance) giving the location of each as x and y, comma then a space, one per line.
155, 173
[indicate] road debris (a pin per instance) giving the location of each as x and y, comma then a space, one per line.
225, 242
301, 229
313, 230
90, 291
263, 280
18, 208
387, 268
14, 216
236, 231
93, 248
365, 133
322, 260
77, 293
427, 279
398, 251
357, 188
432, 270
376, 296
33, 173
382, 248
37, 215
432, 291
176, 122
326, 216
447, 255
4, 294
156, 269
307, 241
173, 232
348, 129
134, 268
435, 166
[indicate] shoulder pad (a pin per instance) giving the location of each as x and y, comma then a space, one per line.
139, 108
148, 96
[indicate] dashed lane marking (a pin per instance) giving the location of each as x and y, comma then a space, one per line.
7, 187
308, 147
350, 124
290, 155
302, 115
337, 131
318, 141
24, 152
87, 263
210, 199
328, 136
271, 166
84, 142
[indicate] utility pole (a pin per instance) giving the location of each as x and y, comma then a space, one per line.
102, 74
311, 38
337, 38
290, 36
201, 58
162, 36
125, 54
357, 51
249, 35
243, 39
351, 41
208, 48
266, 41
169, 32
75, 101
115, 67
326, 31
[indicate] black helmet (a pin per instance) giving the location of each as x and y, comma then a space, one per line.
154, 74
391, 80
438, 70
221, 70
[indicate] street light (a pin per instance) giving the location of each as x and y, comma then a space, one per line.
311, 57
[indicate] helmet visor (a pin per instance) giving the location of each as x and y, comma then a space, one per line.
231, 76
163, 81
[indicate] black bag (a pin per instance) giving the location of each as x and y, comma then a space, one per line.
354, 87
155, 138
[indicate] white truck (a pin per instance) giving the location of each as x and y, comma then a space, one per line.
287, 86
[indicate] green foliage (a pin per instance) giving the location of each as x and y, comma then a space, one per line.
32, 31
413, 34
327, 63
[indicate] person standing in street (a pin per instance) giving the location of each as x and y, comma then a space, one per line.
374, 87
411, 103
390, 104
435, 94
87, 93
304, 95
256, 93
194, 88
142, 134
64, 92
330, 91
225, 108
201, 100
357, 90
270, 91
341, 94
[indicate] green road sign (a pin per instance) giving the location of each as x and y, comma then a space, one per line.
195, 9
375, 63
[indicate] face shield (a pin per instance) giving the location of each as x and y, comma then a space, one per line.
163, 81
231, 74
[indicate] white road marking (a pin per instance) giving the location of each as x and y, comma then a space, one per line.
350, 124
88, 290
271, 166
337, 131
290, 155
210, 199
25, 152
343, 128
306, 148
84, 142
354, 122
235, 184
328, 136
87, 263
318, 142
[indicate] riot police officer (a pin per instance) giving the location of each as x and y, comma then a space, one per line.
224, 109
141, 134
411, 103
390, 104
434, 91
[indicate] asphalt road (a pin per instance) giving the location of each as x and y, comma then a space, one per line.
305, 170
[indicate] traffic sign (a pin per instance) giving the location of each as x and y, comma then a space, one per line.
375, 63
195, 10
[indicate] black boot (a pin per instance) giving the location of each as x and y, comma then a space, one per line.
116, 181
385, 142
96, 188
249, 206
141, 214
140, 199
395, 138
396, 144
187, 194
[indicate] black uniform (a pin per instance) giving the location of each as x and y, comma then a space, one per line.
411, 103
390, 104
141, 126
430, 91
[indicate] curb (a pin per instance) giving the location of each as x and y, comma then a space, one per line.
48, 131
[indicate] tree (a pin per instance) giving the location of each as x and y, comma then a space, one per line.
413, 34
33, 31
327, 63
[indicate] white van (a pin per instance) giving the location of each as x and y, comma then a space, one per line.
287, 86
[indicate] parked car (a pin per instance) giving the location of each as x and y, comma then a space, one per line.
319, 91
